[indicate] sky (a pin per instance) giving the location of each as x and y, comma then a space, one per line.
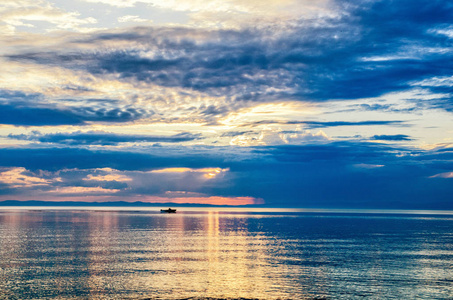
290, 103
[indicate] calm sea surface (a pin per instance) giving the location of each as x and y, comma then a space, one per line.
201, 253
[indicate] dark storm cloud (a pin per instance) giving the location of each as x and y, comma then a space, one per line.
104, 138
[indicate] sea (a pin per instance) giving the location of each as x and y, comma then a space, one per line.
224, 253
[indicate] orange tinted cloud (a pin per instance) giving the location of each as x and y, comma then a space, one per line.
83, 190
212, 200
18, 177
208, 173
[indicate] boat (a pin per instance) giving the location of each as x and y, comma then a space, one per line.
169, 210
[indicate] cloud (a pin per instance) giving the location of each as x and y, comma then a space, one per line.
407, 108
34, 116
367, 166
81, 190
334, 174
318, 124
395, 137
232, 13
130, 18
25, 13
278, 137
443, 175
22, 109
20, 115
170, 183
235, 133
20, 178
114, 114
103, 138
208, 173
352, 54
352, 172
52, 159
210, 200
108, 177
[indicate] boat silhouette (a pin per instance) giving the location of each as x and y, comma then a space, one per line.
169, 210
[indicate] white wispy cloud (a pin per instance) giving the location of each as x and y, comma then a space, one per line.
130, 18
24, 13
280, 137
218, 13
443, 175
